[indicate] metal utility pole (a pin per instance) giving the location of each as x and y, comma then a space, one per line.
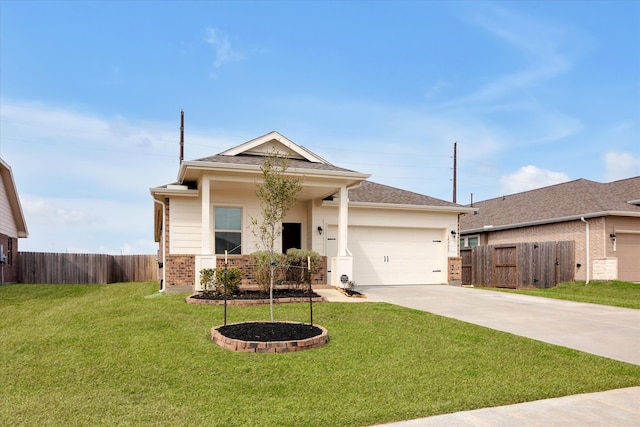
455, 170
181, 136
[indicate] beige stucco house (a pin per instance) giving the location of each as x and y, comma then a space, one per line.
12, 225
372, 233
603, 219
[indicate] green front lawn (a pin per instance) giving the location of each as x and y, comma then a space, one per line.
616, 293
78, 355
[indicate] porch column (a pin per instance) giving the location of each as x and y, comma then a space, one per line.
343, 221
342, 264
206, 216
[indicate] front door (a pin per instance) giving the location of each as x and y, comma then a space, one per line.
291, 236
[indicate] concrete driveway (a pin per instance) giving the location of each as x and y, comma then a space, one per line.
602, 330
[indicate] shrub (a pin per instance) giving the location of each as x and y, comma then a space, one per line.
231, 278
208, 280
260, 261
213, 281
297, 262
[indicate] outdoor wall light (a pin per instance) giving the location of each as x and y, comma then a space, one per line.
612, 235
320, 230
453, 233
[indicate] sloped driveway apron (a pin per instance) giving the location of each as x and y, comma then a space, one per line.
597, 329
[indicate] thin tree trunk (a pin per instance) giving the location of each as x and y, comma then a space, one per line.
271, 273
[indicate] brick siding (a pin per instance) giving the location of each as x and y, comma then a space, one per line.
181, 271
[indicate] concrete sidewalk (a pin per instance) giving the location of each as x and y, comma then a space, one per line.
602, 330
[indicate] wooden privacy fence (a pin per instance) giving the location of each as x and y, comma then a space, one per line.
41, 267
519, 265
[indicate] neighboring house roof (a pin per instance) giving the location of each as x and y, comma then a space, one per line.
12, 196
556, 203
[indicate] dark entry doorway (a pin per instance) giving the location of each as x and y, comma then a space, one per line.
291, 236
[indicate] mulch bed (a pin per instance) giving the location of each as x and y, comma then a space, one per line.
256, 295
269, 331
351, 293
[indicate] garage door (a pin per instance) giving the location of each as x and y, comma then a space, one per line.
395, 256
628, 253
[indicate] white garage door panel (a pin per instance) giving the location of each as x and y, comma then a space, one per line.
397, 256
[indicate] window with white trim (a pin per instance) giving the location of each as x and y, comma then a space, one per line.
228, 230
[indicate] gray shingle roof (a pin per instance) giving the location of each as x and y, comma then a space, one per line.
372, 192
575, 198
244, 159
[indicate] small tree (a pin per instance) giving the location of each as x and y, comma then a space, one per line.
277, 194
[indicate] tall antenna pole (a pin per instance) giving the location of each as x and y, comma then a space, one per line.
181, 136
455, 170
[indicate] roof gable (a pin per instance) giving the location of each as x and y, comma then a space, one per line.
557, 203
274, 141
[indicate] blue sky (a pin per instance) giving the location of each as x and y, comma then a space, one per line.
534, 93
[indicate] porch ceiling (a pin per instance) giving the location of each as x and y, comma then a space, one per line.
310, 191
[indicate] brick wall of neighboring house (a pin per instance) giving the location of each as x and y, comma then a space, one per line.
9, 270
570, 230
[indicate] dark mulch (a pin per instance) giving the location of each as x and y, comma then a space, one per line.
277, 293
269, 331
351, 293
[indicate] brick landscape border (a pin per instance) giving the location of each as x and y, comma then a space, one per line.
269, 346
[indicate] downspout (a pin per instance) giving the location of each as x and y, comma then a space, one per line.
587, 231
164, 249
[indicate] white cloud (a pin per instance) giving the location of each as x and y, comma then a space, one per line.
84, 179
538, 52
88, 225
539, 43
620, 165
53, 214
222, 47
529, 178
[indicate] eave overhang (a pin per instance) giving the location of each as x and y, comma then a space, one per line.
405, 207
163, 191
193, 170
